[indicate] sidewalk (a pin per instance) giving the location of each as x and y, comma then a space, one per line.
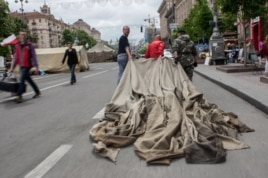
246, 85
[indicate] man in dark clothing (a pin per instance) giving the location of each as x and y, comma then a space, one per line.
25, 57
72, 61
124, 53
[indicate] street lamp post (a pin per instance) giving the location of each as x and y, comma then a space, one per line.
21, 3
216, 43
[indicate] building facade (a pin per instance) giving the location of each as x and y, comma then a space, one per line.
48, 30
173, 12
81, 25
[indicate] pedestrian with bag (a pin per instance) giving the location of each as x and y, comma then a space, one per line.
72, 61
25, 57
185, 53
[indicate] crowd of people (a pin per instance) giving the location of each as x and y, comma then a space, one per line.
183, 49
185, 52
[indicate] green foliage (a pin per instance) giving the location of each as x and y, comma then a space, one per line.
228, 21
197, 23
9, 25
142, 50
174, 33
82, 37
4, 19
247, 8
67, 36
18, 24
5, 27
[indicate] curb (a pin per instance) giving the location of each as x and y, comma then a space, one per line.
259, 105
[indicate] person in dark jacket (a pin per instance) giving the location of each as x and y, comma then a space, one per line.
72, 61
25, 57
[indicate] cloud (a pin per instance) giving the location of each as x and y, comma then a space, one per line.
107, 16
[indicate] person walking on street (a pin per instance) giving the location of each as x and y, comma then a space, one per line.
265, 54
185, 53
124, 53
25, 57
156, 48
72, 61
251, 52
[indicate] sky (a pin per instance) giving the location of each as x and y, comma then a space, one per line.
107, 16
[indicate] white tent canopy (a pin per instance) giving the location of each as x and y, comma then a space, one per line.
49, 59
100, 53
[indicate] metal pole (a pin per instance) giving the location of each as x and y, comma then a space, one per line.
21, 8
173, 11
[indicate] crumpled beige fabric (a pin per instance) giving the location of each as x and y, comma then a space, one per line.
158, 109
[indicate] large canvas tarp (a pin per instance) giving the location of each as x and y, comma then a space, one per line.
100, 53
158, 109
49, 59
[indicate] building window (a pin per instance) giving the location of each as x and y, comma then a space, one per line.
40, 20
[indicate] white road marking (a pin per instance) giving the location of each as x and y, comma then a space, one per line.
57, 81
46, 76
99, 115
29, 93
40, 170
91, 75
53, 86
115, 68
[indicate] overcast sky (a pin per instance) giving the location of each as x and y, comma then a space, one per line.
107, 16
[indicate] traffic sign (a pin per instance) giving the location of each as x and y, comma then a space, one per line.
173, 25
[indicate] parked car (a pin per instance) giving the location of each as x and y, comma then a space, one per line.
141, 55
167, 53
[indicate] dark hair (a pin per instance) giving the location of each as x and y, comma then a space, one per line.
181, 31
23, 30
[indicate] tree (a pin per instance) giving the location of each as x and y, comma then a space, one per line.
17, 24
227, 22
197, 23
67, 36
9, 25
5, 26
245, 9
84, 38
80, 35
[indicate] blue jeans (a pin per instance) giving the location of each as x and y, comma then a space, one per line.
72, 70
122, 60
25, 75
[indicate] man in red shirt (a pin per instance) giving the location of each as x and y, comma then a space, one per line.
25, 57
156, 48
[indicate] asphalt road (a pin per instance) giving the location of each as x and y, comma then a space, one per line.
48, 137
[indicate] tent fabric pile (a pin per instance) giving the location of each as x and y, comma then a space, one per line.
158, 109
